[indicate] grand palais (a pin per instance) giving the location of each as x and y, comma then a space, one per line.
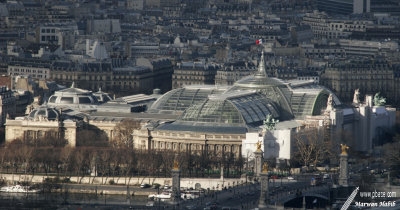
219, 119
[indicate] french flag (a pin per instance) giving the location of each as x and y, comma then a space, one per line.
259, 41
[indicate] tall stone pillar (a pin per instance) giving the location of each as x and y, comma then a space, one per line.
176, 183
263, 202
344, 167
258, 162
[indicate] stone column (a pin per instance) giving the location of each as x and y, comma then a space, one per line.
263, 202
176, 183
258, 162
344, 170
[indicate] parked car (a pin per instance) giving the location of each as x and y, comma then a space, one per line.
144, 186
326, 176
290, 178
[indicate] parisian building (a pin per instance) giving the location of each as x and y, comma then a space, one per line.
368, 75
193, 73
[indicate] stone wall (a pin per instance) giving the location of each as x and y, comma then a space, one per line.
205, 183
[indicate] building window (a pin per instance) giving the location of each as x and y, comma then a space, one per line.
84, 100
67, 100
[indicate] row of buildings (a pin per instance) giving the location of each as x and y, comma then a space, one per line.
224, 120
143, 77
190, 71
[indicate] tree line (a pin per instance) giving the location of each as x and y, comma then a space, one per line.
94, 155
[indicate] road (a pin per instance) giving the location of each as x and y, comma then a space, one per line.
247, 196
110, 189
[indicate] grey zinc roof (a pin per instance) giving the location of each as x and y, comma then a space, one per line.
203, 128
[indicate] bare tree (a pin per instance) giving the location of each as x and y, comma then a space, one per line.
81, 162
85, 138
115, 161
392, 155
129, 161
123, 133
26, 154
104, 159
65, 158
3, 158
311, 147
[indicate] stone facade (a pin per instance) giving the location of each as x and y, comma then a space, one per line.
367, 123
91, 75
370, 76
24, 128
194, 142
7, 104
142, 78
193, 73
37, 69
233, 71
324, 26
33, 129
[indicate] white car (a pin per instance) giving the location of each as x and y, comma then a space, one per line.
290, 178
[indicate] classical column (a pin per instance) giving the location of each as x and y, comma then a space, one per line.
263, 202
258, 160
257, 163
344, 167
176, 183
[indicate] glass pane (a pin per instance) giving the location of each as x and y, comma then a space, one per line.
67, 100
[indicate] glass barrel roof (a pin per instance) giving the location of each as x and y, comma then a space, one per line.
213, 111
302, 104
180, 99
242, 106
242, 109
310, 100
254, 108
279, 95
